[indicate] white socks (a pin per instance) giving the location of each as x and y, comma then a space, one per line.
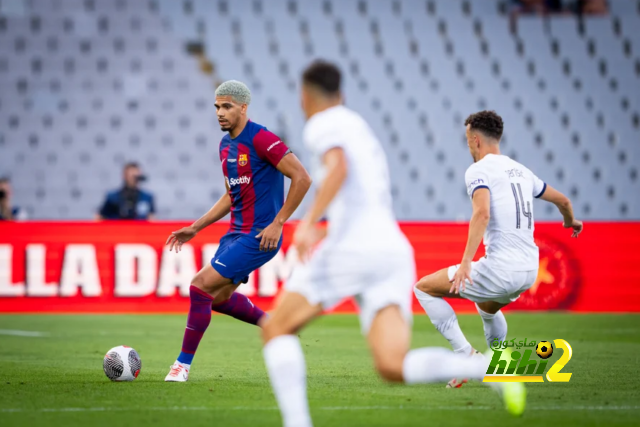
433, 364
495, 326
287, 371
444, 319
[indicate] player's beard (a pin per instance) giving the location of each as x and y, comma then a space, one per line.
227, 127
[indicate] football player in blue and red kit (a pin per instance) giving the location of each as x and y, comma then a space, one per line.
254, 163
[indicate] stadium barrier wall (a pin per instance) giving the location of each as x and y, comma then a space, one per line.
123, 267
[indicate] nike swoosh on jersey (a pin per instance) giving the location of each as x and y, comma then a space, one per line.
219, 263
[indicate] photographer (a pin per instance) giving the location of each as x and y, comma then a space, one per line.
7, 211
129, 202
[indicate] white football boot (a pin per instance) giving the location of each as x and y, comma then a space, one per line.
457, 383
179, 373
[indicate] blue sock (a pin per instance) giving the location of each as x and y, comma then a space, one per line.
185, 358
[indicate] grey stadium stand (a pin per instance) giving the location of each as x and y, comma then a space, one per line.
86, 85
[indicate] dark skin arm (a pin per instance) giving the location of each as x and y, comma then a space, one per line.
290, 167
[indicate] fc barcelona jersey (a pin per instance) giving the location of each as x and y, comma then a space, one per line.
256, 187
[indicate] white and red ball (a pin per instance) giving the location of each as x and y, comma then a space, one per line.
122, 363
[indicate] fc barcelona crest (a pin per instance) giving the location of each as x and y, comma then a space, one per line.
243, 159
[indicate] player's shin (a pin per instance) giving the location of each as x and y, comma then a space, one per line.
287, 372
445, 320
495, 326
197, 323
240, 307
431, 365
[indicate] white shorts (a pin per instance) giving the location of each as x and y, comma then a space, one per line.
375, 279
490, 284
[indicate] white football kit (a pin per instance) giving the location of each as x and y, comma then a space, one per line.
365, 254
510, 266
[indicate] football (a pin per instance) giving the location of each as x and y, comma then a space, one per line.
122, 363
544, 349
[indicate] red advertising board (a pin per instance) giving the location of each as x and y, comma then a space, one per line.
123, 267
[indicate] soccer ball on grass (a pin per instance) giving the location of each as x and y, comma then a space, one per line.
122, 363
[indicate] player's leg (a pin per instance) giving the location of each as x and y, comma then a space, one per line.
493, 321
205, 286
430, 291
389, 340
236, 258
510, 285
284, 358
238, 306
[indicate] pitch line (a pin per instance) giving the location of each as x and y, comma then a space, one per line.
17, 333
324, 408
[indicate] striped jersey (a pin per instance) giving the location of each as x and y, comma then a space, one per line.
256, 187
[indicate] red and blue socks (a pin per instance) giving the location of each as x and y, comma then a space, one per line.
238, 306
197, 323
241, 308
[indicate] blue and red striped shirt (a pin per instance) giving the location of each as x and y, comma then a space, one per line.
255, 185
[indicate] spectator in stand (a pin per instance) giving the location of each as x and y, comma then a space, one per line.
521, 7
9, 212
593, 7
129, 202
197, 49
544, 7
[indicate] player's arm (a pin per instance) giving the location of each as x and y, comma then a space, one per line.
307, 234
219, 210
290, 167
563, 204
481, 200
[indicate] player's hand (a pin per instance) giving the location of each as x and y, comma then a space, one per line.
576, 226
270, 237
178, 238
459, 279
305, 238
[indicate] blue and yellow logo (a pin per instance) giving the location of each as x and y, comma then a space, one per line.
509, 365
243, 159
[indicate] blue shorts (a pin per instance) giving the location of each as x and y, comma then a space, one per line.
238, 255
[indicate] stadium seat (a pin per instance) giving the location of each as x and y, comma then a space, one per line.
95, 84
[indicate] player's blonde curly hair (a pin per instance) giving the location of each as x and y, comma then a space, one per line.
235, 89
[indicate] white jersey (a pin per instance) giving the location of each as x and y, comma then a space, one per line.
365, 255
509, 236
361, 214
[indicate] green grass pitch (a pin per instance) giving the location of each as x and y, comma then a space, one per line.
57, 379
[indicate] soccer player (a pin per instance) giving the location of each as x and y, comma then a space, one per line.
254, 162
363, 254
502, 192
